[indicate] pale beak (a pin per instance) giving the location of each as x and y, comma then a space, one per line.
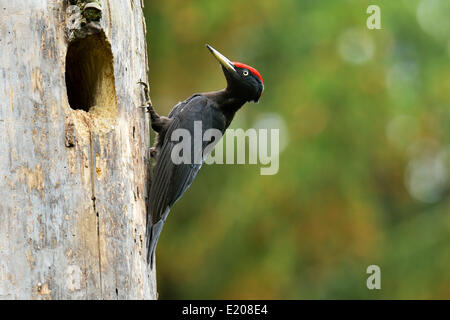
224, 61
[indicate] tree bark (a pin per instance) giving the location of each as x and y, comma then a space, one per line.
74, 160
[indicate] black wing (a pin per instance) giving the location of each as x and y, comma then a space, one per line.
171, 180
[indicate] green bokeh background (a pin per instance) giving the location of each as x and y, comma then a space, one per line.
364, 176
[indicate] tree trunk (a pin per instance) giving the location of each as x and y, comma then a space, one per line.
74, 161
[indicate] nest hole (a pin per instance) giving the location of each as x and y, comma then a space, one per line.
90, 76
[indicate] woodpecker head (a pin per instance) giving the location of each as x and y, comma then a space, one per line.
243, 80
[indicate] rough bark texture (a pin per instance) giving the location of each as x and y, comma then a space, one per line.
73, 152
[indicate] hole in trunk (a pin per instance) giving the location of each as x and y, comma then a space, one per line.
90, 76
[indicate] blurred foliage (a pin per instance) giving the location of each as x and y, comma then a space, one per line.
364, 176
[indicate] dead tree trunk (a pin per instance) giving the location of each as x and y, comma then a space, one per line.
74, 159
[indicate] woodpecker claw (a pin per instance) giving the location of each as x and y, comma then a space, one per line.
148, 103
153, 152
145, 89
146, 107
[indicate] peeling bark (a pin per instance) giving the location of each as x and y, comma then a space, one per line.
74, 160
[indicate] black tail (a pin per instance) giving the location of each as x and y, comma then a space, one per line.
153, 233
152, 241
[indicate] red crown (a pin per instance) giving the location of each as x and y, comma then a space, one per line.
251, 69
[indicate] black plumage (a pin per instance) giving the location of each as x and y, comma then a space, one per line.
215, 110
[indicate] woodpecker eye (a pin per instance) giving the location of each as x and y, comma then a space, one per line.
245, 72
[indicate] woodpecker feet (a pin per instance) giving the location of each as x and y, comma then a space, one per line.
159, 123
148, 104
153, 152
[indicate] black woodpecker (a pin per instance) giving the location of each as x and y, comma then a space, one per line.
214, 110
